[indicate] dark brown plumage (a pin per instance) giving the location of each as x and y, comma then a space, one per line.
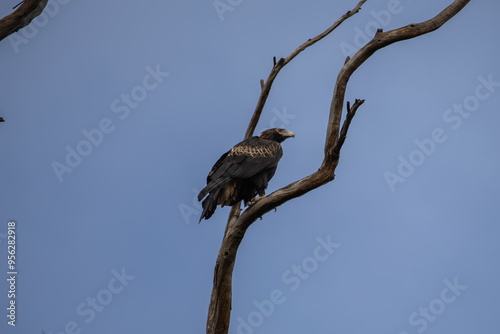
244, 171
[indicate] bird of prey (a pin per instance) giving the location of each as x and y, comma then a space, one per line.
244, 171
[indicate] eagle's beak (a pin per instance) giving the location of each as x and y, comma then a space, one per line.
289, 134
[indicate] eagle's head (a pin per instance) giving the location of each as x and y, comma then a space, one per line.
277, 134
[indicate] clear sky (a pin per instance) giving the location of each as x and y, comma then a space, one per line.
116, 111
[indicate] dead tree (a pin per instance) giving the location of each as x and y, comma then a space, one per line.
219, 311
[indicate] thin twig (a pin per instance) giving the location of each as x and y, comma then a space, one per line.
351, 112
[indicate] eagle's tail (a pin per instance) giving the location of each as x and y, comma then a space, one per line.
203, 193
211, 186
209, 205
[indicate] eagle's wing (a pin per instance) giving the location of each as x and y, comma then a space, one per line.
249, 158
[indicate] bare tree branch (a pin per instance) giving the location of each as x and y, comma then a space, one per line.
381, 39
23, 16
220, 303
266, 87
27, 11
345, 127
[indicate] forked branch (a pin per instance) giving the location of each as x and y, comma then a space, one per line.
220, 302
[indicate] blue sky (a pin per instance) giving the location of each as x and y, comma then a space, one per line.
115, 112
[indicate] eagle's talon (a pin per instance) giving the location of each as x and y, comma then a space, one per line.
255, 200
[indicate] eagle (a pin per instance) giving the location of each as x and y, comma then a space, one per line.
244, 171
